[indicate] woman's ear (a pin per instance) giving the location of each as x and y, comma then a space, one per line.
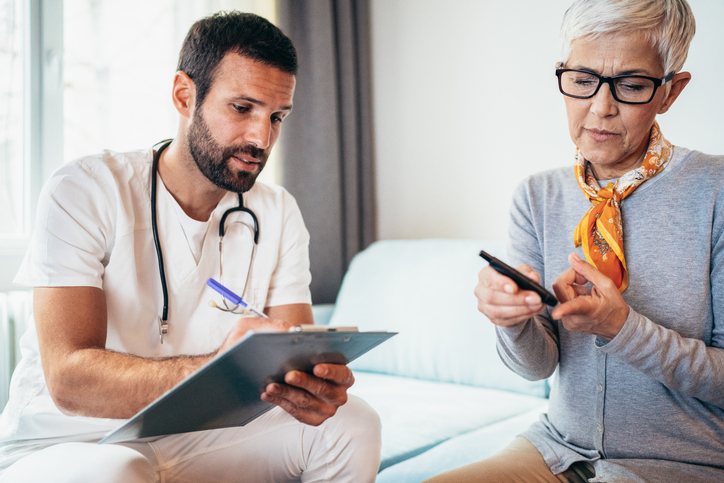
678, 83
183, 94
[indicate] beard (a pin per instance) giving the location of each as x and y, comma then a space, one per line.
213, 160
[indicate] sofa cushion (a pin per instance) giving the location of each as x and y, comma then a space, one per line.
418, 415
423, 289
461, 450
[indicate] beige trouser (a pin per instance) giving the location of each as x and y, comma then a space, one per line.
519, 462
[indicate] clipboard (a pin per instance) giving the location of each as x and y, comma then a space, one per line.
226, 391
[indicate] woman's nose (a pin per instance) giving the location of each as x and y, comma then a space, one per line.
603, 104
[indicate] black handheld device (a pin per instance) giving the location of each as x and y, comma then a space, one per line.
521, 280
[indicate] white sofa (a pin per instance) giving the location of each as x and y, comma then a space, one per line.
444, 396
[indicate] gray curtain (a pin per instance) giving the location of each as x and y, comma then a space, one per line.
327, 142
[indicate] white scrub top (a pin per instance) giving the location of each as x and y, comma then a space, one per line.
94, 229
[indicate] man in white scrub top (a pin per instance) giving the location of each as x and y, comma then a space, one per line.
94, 356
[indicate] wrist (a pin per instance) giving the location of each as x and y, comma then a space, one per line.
616, 322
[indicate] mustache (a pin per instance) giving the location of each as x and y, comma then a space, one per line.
248, 149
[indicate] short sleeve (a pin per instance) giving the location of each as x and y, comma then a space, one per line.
290, 280
73, 231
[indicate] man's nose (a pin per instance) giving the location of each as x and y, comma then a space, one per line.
258, 133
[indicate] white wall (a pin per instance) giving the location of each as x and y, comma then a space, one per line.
466, 105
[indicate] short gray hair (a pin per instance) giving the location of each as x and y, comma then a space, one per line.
668, 24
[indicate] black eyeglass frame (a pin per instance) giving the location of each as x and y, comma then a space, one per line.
609, 80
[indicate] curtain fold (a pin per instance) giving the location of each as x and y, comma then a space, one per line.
327, 143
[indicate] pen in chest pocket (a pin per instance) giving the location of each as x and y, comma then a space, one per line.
233, 298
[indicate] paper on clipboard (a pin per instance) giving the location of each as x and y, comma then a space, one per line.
226, 392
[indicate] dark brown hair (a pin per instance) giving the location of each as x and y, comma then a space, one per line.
212, 37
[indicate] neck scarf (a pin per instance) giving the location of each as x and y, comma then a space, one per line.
600, 231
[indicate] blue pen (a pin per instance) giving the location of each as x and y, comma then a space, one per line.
233, 298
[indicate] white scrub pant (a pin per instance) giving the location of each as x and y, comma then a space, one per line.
273, 448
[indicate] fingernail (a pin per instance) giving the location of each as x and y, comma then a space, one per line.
532, 300
292, 378
508, 288
273, 389
576, 257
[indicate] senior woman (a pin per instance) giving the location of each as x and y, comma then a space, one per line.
638, 335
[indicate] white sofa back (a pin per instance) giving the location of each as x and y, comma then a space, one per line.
423, 289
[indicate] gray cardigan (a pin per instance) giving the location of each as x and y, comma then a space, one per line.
649, 404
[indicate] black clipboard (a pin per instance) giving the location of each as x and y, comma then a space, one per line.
226, 392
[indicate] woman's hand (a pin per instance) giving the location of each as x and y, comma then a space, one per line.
600, 311
501, 301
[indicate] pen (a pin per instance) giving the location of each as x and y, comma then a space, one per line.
233, 298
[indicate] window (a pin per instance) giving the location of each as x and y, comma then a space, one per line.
12, 175
80, 76
119, 62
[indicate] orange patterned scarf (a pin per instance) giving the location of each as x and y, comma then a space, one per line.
600, 232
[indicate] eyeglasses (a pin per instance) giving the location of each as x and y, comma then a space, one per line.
628, 89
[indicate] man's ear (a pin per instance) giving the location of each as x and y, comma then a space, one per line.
678, 83
183, 94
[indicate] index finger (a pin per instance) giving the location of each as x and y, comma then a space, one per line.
499, 297
336, 373
328, 382
575, 306
564, 285
589, 272
491, 278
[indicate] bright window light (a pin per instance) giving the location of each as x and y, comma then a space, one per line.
12, 168
118, 67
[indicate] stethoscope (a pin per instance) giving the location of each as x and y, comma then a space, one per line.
163, 319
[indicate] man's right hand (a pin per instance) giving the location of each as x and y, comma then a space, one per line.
501, 301
245, 324
84, 378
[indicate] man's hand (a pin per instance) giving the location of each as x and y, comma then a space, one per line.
500, 299
600, 311
312, 399
245, 324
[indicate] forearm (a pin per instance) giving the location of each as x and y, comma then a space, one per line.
530, 349
105, 384
687, 366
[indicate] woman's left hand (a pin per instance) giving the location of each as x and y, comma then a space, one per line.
600, 311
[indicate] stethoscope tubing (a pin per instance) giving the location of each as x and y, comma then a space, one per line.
154, 228
163, 324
